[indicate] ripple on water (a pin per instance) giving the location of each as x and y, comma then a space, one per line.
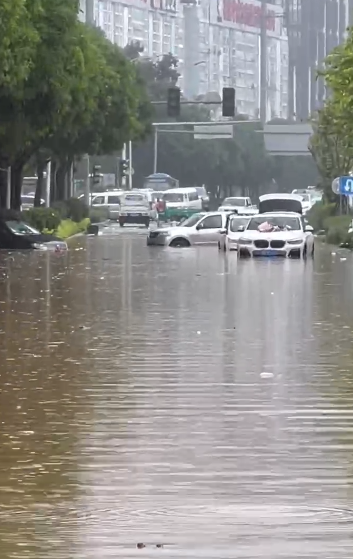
174, 397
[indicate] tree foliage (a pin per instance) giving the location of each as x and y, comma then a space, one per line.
332, 141
71, 91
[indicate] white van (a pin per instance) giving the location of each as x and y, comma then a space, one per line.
134, 208
110, 200
181, 203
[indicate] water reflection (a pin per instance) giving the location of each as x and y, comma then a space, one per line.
173, 396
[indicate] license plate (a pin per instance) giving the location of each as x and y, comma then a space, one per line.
133, 215
269, 253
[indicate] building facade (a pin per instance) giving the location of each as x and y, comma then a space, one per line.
315, 27
217, 42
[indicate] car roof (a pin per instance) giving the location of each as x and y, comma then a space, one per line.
271, 214
185, 190
280, 196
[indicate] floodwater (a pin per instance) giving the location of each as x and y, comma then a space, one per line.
175, 397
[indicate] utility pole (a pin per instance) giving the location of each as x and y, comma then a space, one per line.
263, 63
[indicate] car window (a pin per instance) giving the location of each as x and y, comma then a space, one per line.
138, 198
282, 222
234, 202
191, 221
193, 196
20, 228
212, 222
113, 200
98, 200
237, 222
173, 197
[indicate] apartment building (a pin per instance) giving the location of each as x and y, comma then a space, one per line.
315, 27
217, 43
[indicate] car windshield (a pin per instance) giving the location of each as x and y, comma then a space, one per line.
234, 202
201, 190
20, 228
270, 223
237, 222
191, 220
173, 197
132, 198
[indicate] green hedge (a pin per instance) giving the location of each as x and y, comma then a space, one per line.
319, 214
68, 228
42, 218
49, 218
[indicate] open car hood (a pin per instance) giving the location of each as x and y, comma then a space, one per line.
280, 205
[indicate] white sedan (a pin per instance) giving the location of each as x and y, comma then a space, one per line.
277, 234
234, 230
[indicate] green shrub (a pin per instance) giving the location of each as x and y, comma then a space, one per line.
319, 213
337, 230
97, 215
77, 210
42, 218
68, 228
341, 222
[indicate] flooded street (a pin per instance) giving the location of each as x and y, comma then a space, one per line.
175, 397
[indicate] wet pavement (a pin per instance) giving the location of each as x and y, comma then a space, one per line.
176, 397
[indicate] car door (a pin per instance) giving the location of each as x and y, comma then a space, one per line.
113, 204
208, 229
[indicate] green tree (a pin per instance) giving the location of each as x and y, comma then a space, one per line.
331, 151
80, 94
332, 141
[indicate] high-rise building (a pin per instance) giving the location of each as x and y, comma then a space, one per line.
217, 42
315, 27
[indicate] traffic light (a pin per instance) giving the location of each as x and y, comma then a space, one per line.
96, 174
124, 167
173, 102
228, 101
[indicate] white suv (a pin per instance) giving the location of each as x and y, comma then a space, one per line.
277, 234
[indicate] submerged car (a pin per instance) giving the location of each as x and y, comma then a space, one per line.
200, 229
234, 229
17, 235
283, 234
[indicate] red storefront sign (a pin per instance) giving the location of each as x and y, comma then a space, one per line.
244, 13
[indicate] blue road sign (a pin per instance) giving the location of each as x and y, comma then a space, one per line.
346, 186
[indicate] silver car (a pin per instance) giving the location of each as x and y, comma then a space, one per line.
200, 229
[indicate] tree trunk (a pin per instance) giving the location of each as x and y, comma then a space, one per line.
53, 181
41, 164
61, 181
16, 185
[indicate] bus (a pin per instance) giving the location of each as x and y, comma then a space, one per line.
160, 182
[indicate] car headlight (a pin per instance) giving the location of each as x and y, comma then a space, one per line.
245, 241
164, 233
39, 246
295, 242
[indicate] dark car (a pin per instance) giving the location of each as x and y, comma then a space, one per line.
18, 235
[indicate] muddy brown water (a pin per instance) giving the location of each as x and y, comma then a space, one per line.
174, 397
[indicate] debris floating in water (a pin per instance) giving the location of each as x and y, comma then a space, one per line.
266, 375
140, 545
